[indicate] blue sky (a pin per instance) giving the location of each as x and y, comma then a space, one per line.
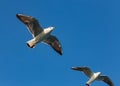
89, 31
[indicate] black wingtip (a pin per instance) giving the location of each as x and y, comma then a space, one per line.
74, 68
60, 53
18, 16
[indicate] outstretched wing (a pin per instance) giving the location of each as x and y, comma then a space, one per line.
85, 70
31, 23
106, 79
54, 43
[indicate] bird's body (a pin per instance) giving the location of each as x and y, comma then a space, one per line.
39, 34
93, 76
40, 37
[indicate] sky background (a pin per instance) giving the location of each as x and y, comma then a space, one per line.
89, 31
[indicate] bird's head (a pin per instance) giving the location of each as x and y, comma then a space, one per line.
98, 73
51, 28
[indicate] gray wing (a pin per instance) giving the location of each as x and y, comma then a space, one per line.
86, 70
54, 43
106, 79
31, 23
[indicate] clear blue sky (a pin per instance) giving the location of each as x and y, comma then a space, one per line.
89, 31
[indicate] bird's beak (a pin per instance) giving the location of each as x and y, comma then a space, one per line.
52, 28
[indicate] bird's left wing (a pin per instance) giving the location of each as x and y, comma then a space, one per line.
85, 70
31, 23
106, 79
54, 43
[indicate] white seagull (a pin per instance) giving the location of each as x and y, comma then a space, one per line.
94, 76
39, 34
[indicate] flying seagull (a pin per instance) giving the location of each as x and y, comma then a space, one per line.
93, 76
39, 34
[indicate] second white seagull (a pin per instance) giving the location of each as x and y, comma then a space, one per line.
94, 76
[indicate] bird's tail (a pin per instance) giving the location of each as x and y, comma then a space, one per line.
31, 43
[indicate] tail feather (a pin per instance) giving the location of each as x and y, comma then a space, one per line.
31, 43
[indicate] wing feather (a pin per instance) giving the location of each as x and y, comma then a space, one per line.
31, 23
54, 43
106, 79
87, 71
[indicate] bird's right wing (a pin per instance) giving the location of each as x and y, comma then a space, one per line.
106, 79
85, 70
31, 23
54, 43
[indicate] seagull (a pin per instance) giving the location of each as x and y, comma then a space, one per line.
93, 76
39, 34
